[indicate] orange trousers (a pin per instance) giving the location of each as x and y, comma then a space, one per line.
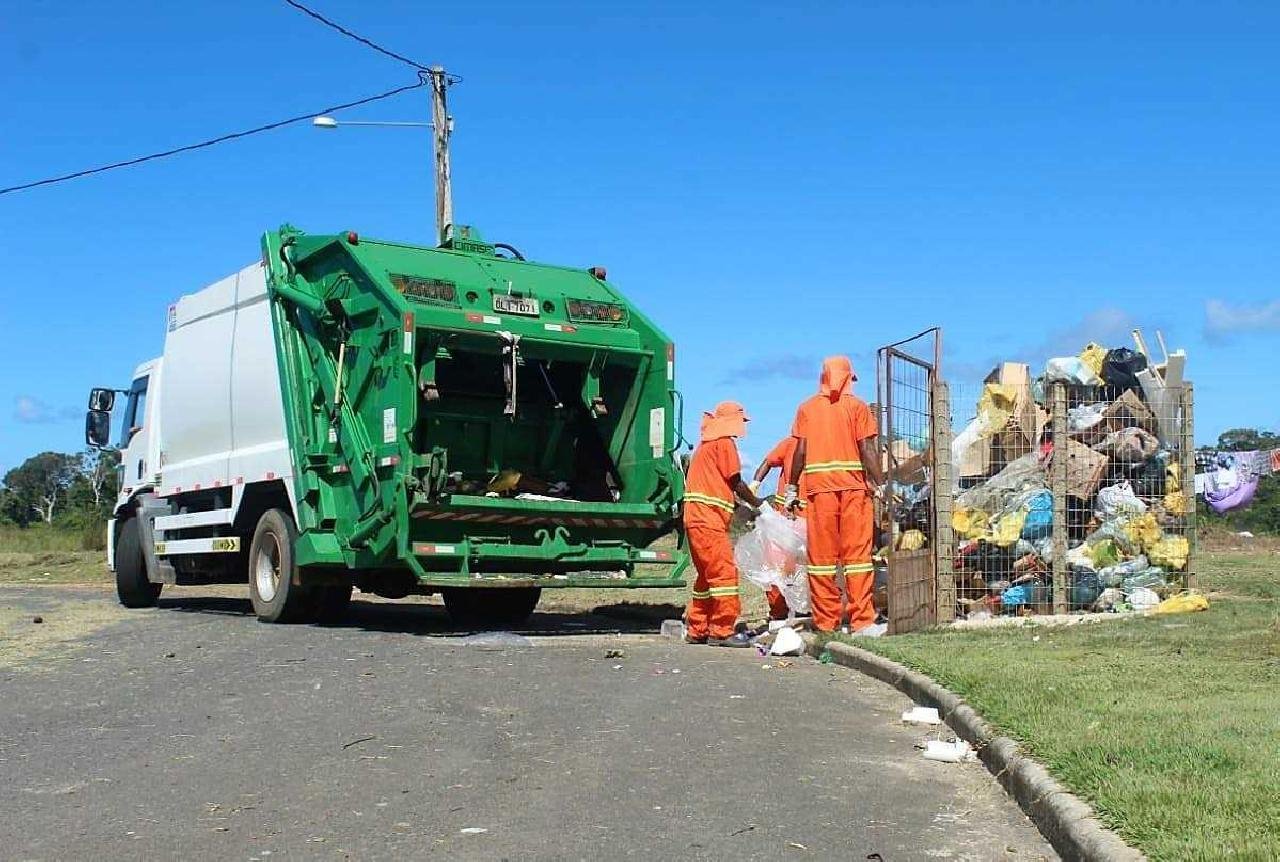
714, 604
840, 530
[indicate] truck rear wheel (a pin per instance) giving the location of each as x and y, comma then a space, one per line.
490, 606
276, 598
132, 586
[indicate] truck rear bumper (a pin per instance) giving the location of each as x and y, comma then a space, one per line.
554, 562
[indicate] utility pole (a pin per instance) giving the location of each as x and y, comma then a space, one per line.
442, 127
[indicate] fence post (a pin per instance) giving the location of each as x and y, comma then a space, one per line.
1058, 488
943, 539
1187, 479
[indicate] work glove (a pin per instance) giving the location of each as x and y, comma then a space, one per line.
790, 497
755, 487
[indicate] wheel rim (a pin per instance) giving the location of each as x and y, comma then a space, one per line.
266, 568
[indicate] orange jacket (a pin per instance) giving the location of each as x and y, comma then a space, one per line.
708, 496
832, 424
782, 457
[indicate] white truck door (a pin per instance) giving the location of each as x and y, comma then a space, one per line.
137, 434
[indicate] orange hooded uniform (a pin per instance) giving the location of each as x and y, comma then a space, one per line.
840, 515
708, 507
780, 457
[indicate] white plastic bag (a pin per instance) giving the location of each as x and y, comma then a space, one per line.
773, 555
1119, 499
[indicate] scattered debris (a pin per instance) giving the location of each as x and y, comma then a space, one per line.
496, 640
473, 830
614, 653
617, 667
796, 845
921, 715
787, 642
37, 620
358, 741
948, 752
170, 655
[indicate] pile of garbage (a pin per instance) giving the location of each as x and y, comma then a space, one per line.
1124, 506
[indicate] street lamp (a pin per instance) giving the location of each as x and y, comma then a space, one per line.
331, 123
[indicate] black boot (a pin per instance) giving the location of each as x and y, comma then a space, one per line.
737, 639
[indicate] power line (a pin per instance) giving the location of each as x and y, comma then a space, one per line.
345, 32
422, 81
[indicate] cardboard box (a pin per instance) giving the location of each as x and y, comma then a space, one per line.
1128, 411
1085, 470
908, 464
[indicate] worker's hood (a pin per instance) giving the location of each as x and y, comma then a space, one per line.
837, 377
729, 419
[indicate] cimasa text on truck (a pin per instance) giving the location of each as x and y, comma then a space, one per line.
351, 412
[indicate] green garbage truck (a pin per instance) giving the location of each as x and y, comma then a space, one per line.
356, 413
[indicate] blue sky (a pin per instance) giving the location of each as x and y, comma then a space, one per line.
771, 182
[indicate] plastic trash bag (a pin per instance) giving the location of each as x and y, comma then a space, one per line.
1150, 578
1039, 521
1119, 500
970, 523
1114, 576
1129, 445
772, 554
1008, 528
1143, 599
1170, 552
1084, 588
1143, 531
911, 540
1070, 369
1022, 474
1094, 355
1084, 416
1120, 369
1183, 603
995, 406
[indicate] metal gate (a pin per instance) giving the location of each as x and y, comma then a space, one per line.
914, 514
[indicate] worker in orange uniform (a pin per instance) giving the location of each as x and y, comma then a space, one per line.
835, 454
779, 458
714, 478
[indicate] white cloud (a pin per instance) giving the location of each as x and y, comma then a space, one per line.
1223, 320
32, 411
1110, 327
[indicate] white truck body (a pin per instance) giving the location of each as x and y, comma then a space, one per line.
208, 413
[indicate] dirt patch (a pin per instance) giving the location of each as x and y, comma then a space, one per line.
66, 618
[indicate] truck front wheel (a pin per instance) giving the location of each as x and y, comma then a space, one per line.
132, 586
275, 596
490, 606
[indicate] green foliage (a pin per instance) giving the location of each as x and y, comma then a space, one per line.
71, 495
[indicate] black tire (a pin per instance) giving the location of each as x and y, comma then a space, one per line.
276, 598
332, 602
491, 606
132, 586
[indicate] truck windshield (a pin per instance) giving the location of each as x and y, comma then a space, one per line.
135, 411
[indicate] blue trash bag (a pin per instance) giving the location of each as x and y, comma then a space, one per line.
1039, 522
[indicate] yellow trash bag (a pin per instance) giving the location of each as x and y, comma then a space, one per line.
1170, 552
1182, 603
995, 407
970, 523
1093, 356
1143, 531
1008, 529
911, 540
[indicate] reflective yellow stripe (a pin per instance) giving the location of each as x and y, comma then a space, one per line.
708, 500
860, 568
822, 571
700, 594
833, 467
724, 591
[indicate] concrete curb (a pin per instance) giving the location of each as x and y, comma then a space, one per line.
1065, 820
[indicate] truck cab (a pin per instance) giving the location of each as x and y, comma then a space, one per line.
139, 440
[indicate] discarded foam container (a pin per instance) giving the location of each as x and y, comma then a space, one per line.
921, 715
947, 752
787, 642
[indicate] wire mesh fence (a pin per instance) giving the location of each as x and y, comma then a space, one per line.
1069, 497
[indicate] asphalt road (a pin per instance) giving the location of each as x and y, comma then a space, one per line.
192, 731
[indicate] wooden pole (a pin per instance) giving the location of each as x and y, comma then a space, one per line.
1058, 488
441, 127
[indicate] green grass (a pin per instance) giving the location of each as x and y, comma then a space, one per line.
1169, 726
53, 567
41, 538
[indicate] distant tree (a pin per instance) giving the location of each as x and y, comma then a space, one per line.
96, 486
1247, 440
41, 484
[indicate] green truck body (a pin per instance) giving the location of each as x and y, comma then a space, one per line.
469, 418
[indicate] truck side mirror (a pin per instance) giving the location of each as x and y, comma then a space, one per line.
102, 400
97, 428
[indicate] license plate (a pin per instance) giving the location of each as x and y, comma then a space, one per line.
516, 305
